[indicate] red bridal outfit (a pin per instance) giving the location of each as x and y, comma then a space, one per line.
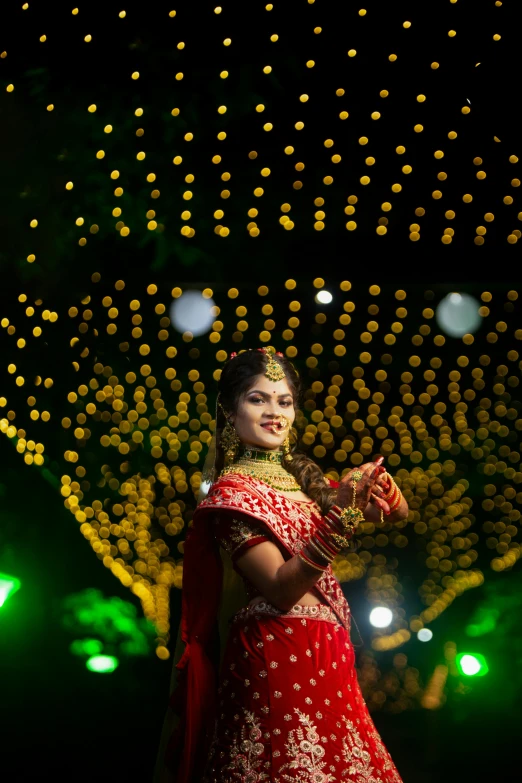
286, 704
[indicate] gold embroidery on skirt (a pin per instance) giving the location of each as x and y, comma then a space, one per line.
316, 612
305, 752
246, 750
360, 768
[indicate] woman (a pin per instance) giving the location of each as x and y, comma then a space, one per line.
287, 705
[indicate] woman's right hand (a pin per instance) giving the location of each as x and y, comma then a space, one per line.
364, 486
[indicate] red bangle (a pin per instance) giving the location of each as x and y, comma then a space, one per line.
324, 539
310, 562
392, 495
334, 517
394, 498
397, 502
392, 489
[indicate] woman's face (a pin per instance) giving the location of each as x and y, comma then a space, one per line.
258, 419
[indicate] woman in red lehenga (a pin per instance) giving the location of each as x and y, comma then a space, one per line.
283, 703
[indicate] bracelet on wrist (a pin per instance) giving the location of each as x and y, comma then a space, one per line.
318, 544
396, 505
349, 518
308, 562
394, 496
393, 490
321, 548
328, 553
324, 559
332, 534
324, 536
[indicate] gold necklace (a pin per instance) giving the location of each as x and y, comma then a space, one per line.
265, 466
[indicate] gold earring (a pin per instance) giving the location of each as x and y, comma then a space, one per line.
229, 442
288, 442
287, 456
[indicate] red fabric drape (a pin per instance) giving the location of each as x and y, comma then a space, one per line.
194, 697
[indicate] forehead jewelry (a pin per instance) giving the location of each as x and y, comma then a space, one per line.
274, 371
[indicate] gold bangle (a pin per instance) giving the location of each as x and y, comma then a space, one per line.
321, 539
393, 497
316, 567
397, 502
393, 488
312, 545
335, 511
317, 547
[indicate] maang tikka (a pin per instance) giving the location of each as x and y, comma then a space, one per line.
273, 371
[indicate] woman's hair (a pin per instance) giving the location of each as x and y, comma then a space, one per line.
237, 376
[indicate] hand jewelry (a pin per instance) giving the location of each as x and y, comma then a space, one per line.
350, 517
356, 476
394, 495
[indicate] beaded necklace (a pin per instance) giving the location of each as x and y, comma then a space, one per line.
266, 466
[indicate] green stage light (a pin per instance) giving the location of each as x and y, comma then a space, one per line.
484, 621
102, 664
8, 586
472, 664
87, 647
107, 621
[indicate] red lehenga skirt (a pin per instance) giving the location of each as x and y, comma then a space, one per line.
289, 704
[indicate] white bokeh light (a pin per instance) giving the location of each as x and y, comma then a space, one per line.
323, 297
424, 635
381, 617
470, 665
192, 312
458, 314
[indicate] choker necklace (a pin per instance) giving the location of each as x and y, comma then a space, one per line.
266, 466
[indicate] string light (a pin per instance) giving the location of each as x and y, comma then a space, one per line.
430, 102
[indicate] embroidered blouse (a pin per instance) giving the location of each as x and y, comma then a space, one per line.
285, 522
236, 533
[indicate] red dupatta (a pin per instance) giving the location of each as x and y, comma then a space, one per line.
194, 698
